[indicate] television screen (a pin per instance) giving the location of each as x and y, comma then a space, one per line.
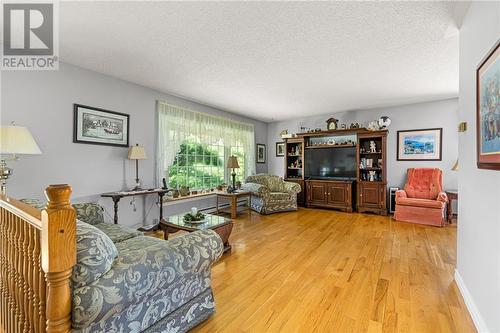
330, 163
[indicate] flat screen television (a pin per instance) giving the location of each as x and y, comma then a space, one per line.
330, 163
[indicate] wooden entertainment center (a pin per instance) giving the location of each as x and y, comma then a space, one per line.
365, 190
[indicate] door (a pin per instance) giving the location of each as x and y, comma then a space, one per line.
369, 195
317, 192
338, 194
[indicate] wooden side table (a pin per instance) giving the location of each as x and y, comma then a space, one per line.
452, 195
116, 196
233, 201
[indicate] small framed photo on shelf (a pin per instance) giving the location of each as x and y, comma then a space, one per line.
420, 145
100, 127
280, 149
261, 153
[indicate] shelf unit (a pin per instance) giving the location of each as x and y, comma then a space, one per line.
294, 165
372, 172
364, 195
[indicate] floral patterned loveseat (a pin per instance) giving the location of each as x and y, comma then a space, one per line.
127, 282
271, 194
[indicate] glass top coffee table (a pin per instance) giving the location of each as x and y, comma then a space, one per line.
219, 224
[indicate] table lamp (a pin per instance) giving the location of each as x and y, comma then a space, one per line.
232, 163
137, 153
14, 140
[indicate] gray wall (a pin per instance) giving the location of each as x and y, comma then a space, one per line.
478, 263
414, 116
43, 102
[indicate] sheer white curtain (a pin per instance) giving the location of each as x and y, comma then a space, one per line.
176, 124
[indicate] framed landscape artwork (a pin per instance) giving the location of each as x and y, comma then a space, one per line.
100, 127
488, 111
261, 153
420, 145
280, 149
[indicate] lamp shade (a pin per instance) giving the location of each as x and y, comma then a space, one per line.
17, 140
455, 166
137, 153
232, 163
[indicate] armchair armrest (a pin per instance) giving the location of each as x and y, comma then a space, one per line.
292, 188
442, 197
196, 251
400, 194
255, 188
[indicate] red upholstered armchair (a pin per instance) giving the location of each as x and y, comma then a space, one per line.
422, 200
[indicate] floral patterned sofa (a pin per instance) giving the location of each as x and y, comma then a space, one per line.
271, 194
127, 282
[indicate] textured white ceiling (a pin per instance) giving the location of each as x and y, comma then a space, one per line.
271, 60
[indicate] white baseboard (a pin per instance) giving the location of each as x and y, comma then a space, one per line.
471, 305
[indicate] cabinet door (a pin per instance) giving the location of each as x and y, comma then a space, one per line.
317, 192
338, 194
369, 195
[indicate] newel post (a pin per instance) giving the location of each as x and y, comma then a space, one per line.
58, 255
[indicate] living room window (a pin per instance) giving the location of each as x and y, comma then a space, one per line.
193, 147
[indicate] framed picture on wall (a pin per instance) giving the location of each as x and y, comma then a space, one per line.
420, 145
261, 153
280, 149
488, 110
100, 127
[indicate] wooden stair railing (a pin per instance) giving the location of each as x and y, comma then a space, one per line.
37, 255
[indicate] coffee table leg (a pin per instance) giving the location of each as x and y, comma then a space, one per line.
234, 206
165, 232
249, 201
224, 233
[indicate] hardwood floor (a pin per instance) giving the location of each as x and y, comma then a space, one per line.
324, 271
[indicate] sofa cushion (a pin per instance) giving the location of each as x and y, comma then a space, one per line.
95, 253
273, 183
118, 233
423, 183
146, 266
276, 184
89, 212
420, 203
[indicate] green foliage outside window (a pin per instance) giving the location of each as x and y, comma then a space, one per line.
201, 166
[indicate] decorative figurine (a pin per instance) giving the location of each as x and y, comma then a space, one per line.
332, 124
373, 147
285, 135
371, 175
373, 126
384, 122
